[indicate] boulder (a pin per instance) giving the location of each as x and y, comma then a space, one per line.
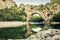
50, 34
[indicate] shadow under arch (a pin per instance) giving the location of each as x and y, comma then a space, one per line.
37, 17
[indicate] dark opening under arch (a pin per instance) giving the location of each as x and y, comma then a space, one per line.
36, 17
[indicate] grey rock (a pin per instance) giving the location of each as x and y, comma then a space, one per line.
32, 37
51, 34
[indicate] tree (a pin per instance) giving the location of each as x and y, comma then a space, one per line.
12, 14
56, 17
36, 19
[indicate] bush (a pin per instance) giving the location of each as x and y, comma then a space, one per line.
56, 17
36, 19
11, 15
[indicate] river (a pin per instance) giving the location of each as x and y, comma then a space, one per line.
17, 30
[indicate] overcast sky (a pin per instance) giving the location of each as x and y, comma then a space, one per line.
34, 2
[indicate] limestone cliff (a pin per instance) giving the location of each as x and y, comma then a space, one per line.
6, 3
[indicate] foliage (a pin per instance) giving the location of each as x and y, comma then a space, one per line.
11, 15
13, 33
36, 19
56, 17
22, 13
57, 1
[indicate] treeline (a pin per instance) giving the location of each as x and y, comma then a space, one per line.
12, 15
18, 14
15, 14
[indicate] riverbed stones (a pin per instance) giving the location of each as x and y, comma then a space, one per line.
32, 37
50, 34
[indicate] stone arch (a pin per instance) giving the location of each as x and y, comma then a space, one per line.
35, 13
36, 16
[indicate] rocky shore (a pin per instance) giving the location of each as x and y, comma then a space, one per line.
50, 34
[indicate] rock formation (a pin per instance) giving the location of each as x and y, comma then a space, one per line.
50, 34
6, 4
54, 0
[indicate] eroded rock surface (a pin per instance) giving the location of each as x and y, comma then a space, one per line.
6, 4
50, 34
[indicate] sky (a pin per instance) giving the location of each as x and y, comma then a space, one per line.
34, 2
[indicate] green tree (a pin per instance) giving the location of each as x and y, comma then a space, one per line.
56, 17
11, 14
36, 19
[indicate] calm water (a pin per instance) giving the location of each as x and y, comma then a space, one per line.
56, 26
19, 32
36, 25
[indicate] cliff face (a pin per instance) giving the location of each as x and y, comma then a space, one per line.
54, 0
6, 3
2, 5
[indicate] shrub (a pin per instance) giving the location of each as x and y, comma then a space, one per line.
36, 19
56, 17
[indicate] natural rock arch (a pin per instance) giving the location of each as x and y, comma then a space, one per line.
43, 14
36, 17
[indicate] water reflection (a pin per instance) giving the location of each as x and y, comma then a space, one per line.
13, 32
19, 32
55, 26
36, 27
